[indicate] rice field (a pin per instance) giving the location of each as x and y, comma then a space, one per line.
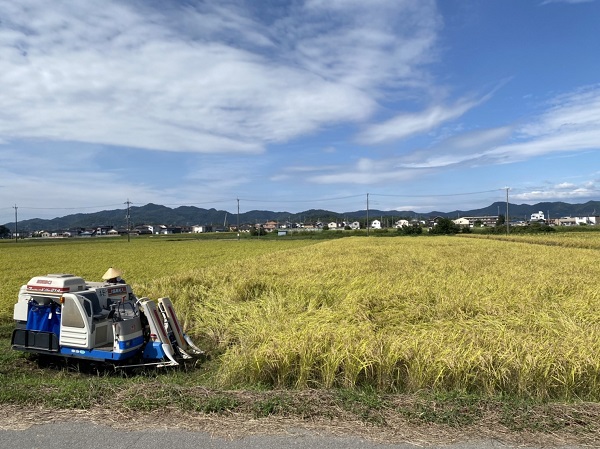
478, 315
573, 239
141, 259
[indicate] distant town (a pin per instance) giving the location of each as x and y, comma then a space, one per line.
284, 227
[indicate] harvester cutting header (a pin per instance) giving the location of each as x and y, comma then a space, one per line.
66, 316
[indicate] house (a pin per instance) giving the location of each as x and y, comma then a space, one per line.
310, 226
577, 221
270, 226
332, 225
401, 223
354, 225
539, 216
462, 222
591, 220
376, 224
169, 229
483, 220
245, 228
103, 230
144, 229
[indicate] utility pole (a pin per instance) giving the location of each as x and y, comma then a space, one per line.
367, 214
127, 217
16, 233
238, 219
507, 220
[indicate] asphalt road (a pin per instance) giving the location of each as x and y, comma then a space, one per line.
91, 436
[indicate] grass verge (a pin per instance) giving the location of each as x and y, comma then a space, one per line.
189, 395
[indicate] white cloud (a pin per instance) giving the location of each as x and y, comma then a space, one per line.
556, 195
546, 2
468, 147
572, 123
368, 171
207, 78
406, 125
565, 185
562, 191
574, 111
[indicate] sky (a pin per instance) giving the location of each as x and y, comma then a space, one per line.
281, 105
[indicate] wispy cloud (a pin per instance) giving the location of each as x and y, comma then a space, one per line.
206, 78
546, 2
405, 125
571, 123
368, 171
466, 148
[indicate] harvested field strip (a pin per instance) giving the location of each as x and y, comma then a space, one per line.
588, 239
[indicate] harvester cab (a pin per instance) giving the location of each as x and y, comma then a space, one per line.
65, 316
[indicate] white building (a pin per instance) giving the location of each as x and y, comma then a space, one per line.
376, 224
401, 223
482, 220
591, 220
464, 222
538, 216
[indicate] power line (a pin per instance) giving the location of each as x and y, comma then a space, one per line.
441, 194
68, 208
283, 200
203, 202
262, 200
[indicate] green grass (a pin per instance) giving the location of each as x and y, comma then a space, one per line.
190, 393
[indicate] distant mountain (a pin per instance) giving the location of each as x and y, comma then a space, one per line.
190, 215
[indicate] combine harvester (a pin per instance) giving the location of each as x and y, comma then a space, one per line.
64, 316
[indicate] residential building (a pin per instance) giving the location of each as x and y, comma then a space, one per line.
539, 216
270, 226
463, 222
401, 223
591, 220
484, 220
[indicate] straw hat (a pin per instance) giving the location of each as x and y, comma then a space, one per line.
112, 273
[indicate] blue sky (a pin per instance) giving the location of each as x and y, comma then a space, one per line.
292, 105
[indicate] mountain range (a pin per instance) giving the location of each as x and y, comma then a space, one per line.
190, 215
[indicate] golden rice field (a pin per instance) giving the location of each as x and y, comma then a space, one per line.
588, 239
141, 260
479, 315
